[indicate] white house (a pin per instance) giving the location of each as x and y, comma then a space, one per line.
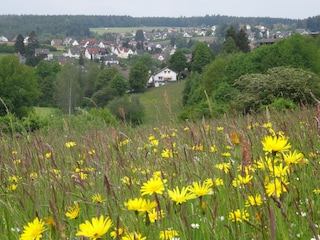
162, 77
3, 39
74, 52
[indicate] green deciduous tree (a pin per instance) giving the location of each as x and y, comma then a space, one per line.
47, 72
201, 56
256, 90
18, 87
178, 62
68, 89
229, 46
104, 77
138, 77
213, 75
119, 83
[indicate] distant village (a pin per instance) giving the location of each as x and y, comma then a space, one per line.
110, 52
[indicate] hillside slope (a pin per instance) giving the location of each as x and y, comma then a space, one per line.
162, 104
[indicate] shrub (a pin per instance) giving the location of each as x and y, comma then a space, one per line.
128, 110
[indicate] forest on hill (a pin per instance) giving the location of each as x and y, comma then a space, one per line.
55, 26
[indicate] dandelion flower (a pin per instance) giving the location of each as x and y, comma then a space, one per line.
241, 180
118, 232
201, 189
275, 188
50, 221
168, 234
96, 228
33, 231
253, 200
97, 198
292, 157
140, 205
274, 144
316, 191
154, 185
167, 153
181, 196
223, 166
155, 215
238, 215
133, 236
70, 144
73, 212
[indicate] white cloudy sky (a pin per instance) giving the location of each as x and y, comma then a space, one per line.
296, 9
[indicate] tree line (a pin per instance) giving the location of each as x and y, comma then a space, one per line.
59, 26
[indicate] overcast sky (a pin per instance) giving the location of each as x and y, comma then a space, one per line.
295, 9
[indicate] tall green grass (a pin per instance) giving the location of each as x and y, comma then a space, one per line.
162, 104
116, 161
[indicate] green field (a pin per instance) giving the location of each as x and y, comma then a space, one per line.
124, 30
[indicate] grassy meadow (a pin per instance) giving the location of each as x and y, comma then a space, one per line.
162, 103
254, 177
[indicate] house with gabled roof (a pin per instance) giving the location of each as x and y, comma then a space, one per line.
56, 42
92, 53
44, 53
73, 52
123, 52
162, 77
111, 60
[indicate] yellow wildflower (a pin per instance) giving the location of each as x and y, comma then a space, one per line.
152, 186
96, 228
238, 215
33, 231
73, 212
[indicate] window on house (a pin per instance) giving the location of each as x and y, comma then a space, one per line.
160, 78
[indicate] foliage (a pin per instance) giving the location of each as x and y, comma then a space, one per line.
33, 43
138, 77
5, 48
18, 87
104, 77
201, 56
120, 83
104, 95
67, 92
242, 41
281, 104
139, 36
128, 109
256, 90
77, 26
313, 23
103, 114
19, 46
47, 73
193, 83
178, 62
229, 46
214, 73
